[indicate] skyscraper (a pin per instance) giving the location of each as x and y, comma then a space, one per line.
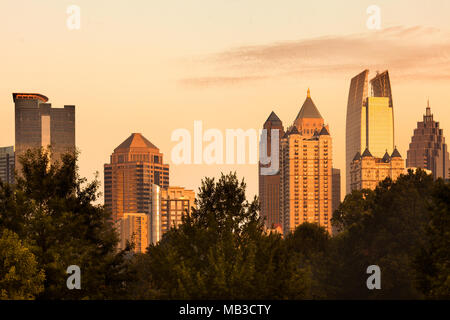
135, 165
428, 149
370, 120
40, 125
269, 185
7, 164
306, 187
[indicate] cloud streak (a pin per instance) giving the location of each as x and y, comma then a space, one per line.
411, 53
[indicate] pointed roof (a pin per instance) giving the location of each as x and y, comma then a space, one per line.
309, 109
324, 132
293, 130
366, 153
386, 157
136, 140
357, 156
395, 153
316, 133
273, 118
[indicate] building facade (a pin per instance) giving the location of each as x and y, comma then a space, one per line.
134, 228
428, 149
37, 125
135, 165
367, 171
336, 189
269, 183
169, 206
370, 119
7, 164
306, 187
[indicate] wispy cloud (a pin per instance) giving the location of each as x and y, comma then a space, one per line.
411, 53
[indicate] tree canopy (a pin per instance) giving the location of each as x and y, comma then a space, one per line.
49, 221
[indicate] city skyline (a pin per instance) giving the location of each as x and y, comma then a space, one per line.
120, 81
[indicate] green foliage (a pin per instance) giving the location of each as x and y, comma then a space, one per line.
48, 221
222, 252
433, 261
52, 208
20, 276
384, 227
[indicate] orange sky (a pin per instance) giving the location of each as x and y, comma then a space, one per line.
156, 66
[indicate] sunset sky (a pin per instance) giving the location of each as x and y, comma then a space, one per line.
157, 66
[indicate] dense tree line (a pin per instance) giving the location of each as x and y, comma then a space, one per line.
48, 221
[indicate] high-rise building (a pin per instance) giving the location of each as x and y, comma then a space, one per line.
169, 206
428, 149
135, 165
7, 164
370, 119
134, 228
336, 188
367, 171
269, 183
40, 125
306, 187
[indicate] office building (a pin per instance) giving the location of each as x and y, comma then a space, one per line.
269, 182
134, 228
370, 119
428, 149
7, 164
306, 187
37, 125
169, 206
135, 165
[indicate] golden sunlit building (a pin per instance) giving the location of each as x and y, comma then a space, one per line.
134, 228
169, 206
306, 187
367, 171
428, 149
135, 166
370, 119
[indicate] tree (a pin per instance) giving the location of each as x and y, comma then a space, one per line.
51, 207
433, 260
221, 251
20, 276
383, 227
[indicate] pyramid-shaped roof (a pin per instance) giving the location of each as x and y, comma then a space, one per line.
293, 130
136, 140
386, 157
357, 156
309, 109
324, 131
395, 153
273, 118
366, 153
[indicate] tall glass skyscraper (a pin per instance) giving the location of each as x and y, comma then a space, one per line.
370, 119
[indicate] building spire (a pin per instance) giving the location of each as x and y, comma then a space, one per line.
308, 94
428, 108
